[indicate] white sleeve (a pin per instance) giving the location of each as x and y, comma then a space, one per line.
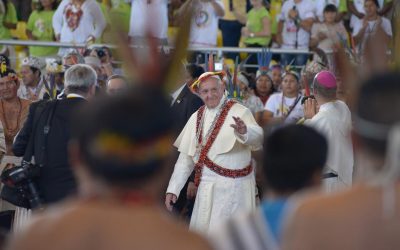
58, 17
183, 168
98, 19
387, 26
314, 30
357, 27
271, 104
309, 12
282, 15
255, 134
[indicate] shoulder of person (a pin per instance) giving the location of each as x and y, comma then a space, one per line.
287, 5
275, 96
386, 22
25, 102
34, 14
239, 107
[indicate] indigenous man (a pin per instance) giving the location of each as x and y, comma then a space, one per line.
13, 109
217, 142
33, 86
333, 119
13, 113
121, 168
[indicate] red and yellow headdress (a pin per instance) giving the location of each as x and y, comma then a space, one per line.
195, 86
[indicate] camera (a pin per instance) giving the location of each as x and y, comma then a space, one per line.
22, 178
100, 53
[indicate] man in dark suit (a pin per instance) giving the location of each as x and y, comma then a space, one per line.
48, 124
184, 104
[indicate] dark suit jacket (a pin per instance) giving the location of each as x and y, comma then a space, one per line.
56, 179
184, 106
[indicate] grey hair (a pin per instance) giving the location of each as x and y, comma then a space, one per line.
329, 93
80, 77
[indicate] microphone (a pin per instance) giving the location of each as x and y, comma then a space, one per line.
297, 19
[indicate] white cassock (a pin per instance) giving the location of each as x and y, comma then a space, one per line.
334, 121
218, 197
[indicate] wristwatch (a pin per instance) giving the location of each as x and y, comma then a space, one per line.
252, 35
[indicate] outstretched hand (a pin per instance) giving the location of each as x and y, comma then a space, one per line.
239, 126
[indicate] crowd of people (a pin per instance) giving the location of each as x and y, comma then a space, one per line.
293, 24
94, 156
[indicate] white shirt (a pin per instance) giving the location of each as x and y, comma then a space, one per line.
372, 28
359, 5
334, 121
176, 94
335, 34
204, 29
153, 16
306, 10
90, 23
279, 108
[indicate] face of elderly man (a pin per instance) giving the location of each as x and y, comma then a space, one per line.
211, 91
116, 85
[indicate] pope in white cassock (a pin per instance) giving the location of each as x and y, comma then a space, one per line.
216, 142
332, 119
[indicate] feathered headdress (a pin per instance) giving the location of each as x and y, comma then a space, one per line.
264, 59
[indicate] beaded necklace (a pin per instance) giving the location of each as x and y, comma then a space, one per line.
200, 142
11, 132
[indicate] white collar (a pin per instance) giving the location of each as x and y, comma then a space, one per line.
72, 95
176, 94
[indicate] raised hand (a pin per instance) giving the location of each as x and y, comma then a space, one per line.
310, 108
239, 126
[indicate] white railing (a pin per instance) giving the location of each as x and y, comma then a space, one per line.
218, 50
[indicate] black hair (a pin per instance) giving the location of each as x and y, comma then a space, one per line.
378, 102
7, 72
34, 70
136, 118
5, 59
292, 156
330, 8
108, 50
375, 2
250, 79
40, 7
194, 70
